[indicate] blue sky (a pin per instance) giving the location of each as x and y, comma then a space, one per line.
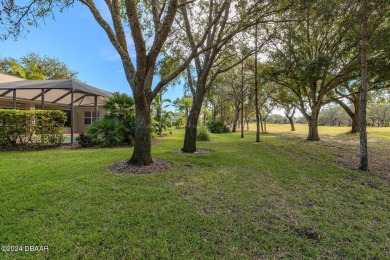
76, 39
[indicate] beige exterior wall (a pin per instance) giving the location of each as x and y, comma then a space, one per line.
79, 126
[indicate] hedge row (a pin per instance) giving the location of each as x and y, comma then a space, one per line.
31, 128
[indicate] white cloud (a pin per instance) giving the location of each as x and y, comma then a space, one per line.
108, 53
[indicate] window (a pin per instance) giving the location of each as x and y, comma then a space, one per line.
89, 117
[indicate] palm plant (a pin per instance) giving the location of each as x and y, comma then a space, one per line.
162, 118
120, 106
183, 104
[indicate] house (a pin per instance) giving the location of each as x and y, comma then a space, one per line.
81, 102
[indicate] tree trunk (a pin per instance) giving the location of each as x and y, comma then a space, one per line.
142, 154
313, 126
191, 126
291, 120
158, 114
242, 99
235, 120
221, 109
355, 124
261, 122
354, 115
363, 166
214, 113
256, 93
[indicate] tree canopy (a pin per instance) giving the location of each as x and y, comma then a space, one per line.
34, 66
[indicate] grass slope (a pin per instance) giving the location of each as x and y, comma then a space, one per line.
246, 200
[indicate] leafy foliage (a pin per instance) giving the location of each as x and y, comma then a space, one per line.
84, 140
120, 106
161, 118
30, 71
106, 132
31, 128
180, 122
183, 104
203, 134
217, 126
128, 129
117, 127
32, 66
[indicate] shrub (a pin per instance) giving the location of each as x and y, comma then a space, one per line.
128, 129
120, 108
84, 140
180, 122
31, 128
106, 132
216, 126
203, 134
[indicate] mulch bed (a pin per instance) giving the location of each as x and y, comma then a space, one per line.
158, 166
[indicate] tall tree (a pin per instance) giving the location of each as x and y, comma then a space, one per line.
363, 165
148, 21
257, 89
233, 94
316, 54
242, 99
347, 95
227, 19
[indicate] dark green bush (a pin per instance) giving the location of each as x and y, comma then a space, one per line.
106, 132
121, 116
216, 126
128, 128
84, 140
203, 134
31, 128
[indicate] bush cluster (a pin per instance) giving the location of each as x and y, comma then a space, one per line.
106, 132
84, 140
31, 128
180, 122
109, 132
217, 126
117, 127
203, 134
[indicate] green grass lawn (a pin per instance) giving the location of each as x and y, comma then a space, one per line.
276, 198
302, 129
